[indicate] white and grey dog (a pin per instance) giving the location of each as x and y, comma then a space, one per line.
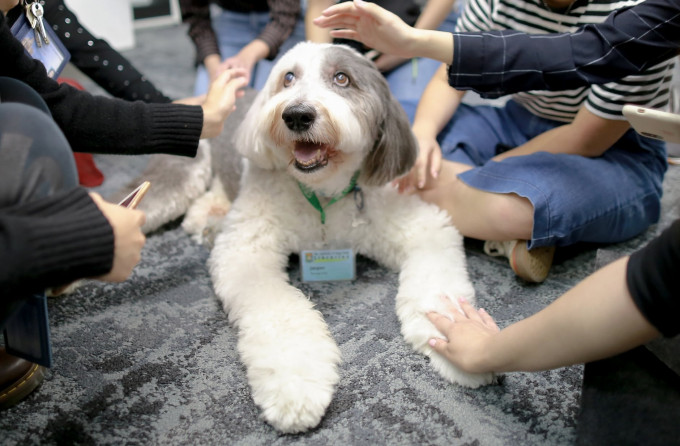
324, 120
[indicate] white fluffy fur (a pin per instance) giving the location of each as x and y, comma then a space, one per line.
291, 358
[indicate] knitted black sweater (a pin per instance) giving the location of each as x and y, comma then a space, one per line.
65, 237
99, 124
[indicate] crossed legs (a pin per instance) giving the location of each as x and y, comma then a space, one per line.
477, 213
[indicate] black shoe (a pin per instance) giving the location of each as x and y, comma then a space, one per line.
18, 378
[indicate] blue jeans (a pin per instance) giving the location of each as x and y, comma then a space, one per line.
607, 199
234, 31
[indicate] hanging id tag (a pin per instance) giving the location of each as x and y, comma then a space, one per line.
27, 332
327, 265
54, 55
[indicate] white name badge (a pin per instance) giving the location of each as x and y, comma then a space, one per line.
327, 265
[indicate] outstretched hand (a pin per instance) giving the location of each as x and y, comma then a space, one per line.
426, 169
467, 336
370, 24
219, 103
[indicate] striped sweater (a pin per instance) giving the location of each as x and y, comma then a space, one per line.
650, 88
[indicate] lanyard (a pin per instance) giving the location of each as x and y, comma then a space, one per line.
314, 200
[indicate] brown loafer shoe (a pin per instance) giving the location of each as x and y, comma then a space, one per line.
532, 266
18, 378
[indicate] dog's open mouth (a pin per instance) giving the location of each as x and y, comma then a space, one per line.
310, 156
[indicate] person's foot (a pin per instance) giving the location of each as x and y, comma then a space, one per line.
532, 266
18, 378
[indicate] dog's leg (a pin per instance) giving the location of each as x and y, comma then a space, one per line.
284, 342
428, 276
431, 259
204, 217
176, 181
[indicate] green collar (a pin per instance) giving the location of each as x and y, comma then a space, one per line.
314, 200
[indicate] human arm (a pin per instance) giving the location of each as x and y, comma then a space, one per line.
432, 15
385, 32
104, 125
629, 41
620, 306
66, 237
196, 14
595, 319
435, 109
97, 60
313, 32
283, 17
496, 63
587, 135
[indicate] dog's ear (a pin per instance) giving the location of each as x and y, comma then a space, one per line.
395, 150
248, 136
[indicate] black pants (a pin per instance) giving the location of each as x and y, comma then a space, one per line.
35, 159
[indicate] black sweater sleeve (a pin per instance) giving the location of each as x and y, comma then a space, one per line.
97, 60
104, 125
53, 241
652, 280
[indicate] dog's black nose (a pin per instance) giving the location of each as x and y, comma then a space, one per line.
299, 117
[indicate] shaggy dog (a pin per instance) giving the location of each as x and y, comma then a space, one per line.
326, 130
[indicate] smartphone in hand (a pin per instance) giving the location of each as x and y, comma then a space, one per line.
653, 123
134, 197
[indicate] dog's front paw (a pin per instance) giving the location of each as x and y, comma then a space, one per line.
292, 373
295, 399
203, 219
417, 331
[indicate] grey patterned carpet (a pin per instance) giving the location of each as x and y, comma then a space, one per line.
153, 360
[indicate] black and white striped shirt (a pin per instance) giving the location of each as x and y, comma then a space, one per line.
650, 88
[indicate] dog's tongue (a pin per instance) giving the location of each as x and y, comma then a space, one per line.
307, 151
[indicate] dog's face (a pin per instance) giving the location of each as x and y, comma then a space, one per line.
324, 113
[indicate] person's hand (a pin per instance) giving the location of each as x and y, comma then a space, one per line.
370, 24
425, 170
241, 62
467, 336
128, 238
247, 58
219, 103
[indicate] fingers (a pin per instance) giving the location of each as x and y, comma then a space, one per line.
421, 171
441, 322
236, 73
469, 311
344, 34
338, 9
438, 345
435, 163
405, 184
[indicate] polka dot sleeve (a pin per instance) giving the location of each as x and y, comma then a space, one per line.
97, 60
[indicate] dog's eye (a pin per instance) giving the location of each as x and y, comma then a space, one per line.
341, 79
288, 79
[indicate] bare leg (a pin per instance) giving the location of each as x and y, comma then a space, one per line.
476, 213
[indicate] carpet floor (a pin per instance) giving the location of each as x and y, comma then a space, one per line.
154, 360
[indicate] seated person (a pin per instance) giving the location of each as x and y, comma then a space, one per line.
248, 35
548, 168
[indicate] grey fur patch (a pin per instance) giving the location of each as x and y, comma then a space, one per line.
369, 94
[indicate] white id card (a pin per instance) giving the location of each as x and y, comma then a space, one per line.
327, 265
